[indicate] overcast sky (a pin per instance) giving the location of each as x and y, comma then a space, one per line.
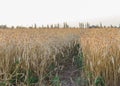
27, 12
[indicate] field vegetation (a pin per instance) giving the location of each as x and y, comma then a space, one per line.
60, 57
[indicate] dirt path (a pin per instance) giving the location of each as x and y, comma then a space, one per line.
70, 75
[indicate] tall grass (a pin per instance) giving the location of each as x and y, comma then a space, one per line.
32, 56
26, 55
102, 56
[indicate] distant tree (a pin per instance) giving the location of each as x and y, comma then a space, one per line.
35, 26
43, 26
80, 25
87, 25
30, 27
111, 26
51, 26
119, 25
83, 25
17, 27
3, 26
104, 26
12, 27
101, 25
55, 26
67, 26
47, 26
115, 26
94, 26
64, 25
58, 26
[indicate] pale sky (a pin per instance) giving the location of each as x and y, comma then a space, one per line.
28, 12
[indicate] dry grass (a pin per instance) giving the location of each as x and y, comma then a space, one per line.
36, 49
101, 49
22, 50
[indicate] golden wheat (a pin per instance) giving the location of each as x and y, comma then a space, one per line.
33, 49
102, 55
36, 49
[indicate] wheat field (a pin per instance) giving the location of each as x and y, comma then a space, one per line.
101, 49
26, 55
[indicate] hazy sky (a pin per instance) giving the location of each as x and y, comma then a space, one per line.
27, 12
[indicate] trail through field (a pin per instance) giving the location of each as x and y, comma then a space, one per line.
70, 75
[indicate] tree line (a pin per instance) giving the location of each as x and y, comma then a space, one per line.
65, 25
